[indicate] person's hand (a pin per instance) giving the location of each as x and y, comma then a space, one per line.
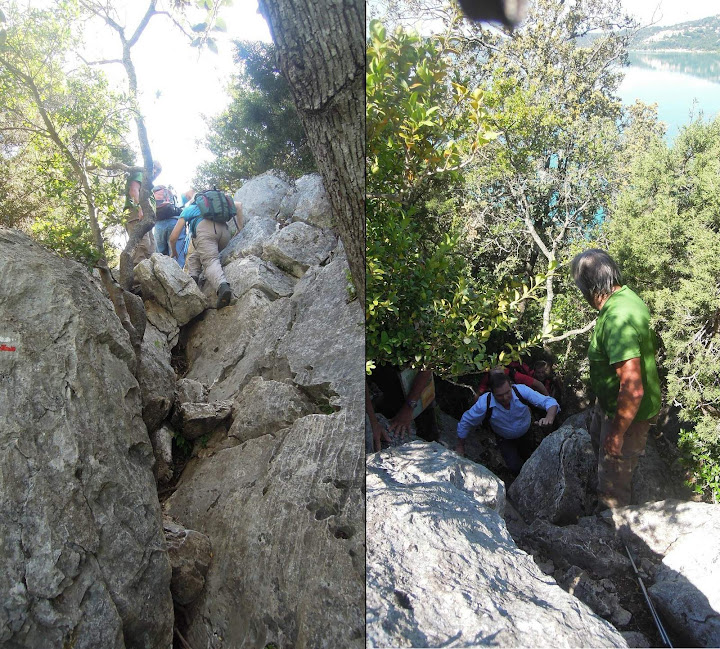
460, 447
380, 435
546, 421
400, 423
613, 444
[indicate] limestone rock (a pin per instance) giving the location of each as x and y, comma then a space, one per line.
161, 441
325, 347
197, 419
157, 378
285, 518
218, 342
252, 272
559, 481
687, 535
604, 603
164, 282
264, 407
298, 246
442, 569
190, 557
250, 239
262, 196
313, 204
590, 545
190, 391
83, 555
395, 438
163, 321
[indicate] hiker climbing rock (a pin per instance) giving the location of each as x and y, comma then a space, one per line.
146, 245
166, 216
623, 374
506, 409
207, 216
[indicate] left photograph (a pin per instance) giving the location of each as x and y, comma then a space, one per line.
181, 324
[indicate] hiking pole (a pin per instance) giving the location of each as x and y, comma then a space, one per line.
663, 636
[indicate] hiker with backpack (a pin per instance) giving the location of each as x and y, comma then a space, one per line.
207, 216
166, 216
146, 246
506, 410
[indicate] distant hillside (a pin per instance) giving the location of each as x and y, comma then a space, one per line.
698, 36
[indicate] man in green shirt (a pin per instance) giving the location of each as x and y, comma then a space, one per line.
623, 374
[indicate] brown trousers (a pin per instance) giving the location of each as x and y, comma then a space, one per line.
615, 473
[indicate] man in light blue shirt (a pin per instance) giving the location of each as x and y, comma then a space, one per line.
510, 418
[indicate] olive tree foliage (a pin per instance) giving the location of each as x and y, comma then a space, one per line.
260, 129
551, 172
664, 231
424, 124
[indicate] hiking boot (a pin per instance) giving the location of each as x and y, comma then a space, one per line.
224, 295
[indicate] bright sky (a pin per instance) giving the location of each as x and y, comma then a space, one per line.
670, 12
179, 85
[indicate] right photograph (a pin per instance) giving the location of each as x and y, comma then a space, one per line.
542, 320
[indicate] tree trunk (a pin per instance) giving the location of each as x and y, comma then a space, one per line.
321, 53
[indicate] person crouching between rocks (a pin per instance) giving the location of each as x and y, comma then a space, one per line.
623, 374
506, 408
209, 237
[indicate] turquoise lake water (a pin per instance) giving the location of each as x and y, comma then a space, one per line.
682, 84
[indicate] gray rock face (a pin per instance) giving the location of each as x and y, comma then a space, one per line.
163, 322
156, 377
252, 272
197, 419
250, 239
84, 559
162, 448
313, 204
190, 391
442, 569
190, 556
559, 481
686, 590
165, 283
265, 407
284, 511
298, 246
262, 196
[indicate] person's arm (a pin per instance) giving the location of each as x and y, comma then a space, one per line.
628, 402
549, 417
470, 419
175, 235
539, 387
400, 423
379, 433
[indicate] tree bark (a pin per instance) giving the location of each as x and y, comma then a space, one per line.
321, 53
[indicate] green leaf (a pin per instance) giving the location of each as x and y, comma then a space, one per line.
200, 27
220, 25
212, 46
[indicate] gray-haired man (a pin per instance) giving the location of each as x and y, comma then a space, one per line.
623, 374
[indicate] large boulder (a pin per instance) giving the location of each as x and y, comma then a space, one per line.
298, 246
313, 204
265, 407
559, 481
442, 569
83, 553
252, 272
190, 556
197, 419
686, 589
165, 283
156, 376
262, 195
250, 239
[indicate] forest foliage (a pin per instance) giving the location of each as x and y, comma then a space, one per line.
493, 157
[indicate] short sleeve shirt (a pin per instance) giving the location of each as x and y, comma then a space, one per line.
623, 332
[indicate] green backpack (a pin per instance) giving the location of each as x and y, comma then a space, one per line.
215, 205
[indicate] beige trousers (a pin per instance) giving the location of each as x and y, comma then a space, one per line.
615, 473
145, 247
210, 238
